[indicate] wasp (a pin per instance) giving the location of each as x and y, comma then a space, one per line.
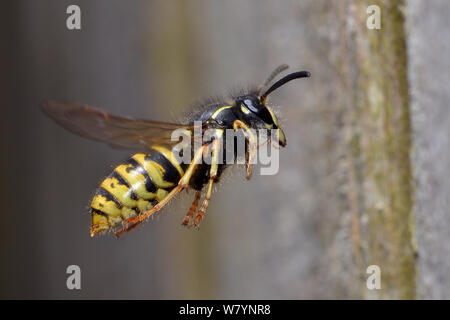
146, 182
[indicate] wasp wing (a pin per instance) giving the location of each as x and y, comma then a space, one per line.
116, 131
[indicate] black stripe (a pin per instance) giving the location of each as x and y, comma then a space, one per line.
171, 173
122, 181
99, 212
109, 197
149, 185
184, 166
119, 178
169, 188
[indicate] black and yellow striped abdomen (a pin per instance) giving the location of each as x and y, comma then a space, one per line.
134, 188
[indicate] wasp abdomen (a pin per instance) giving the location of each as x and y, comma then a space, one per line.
134, 187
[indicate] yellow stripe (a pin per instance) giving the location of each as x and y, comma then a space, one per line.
154, 170
144, 206
135, 180
169, 156
107, 206
161, 194
119, 191
128, 213
216, 113
99, 223
245, 110
274, 117
114, 221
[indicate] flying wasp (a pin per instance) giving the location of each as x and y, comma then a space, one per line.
144, 184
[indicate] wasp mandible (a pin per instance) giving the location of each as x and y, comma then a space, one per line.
144, 184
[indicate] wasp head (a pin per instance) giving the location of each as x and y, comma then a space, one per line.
260, 116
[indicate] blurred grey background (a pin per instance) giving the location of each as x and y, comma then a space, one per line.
362, 181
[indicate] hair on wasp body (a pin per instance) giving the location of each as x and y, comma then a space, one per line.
141, 186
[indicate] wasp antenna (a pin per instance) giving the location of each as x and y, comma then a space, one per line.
283, 81
275, 72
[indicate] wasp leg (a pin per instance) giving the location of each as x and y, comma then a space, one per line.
201, 212
126, 229
192, 209
212, 176
184, 181
185, 222
253, 145
263, 144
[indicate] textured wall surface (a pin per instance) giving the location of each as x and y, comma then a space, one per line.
429, 73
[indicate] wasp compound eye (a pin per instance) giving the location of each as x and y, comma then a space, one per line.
258, 109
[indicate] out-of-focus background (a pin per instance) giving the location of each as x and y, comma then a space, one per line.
363, 180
